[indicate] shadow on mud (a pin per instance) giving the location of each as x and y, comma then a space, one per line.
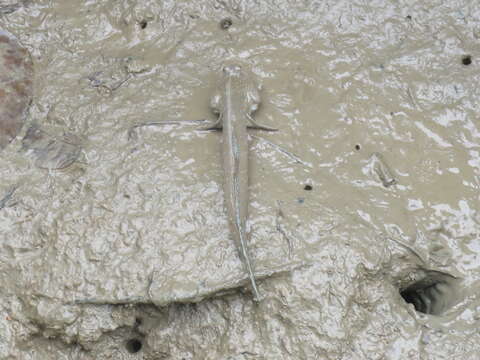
133, 345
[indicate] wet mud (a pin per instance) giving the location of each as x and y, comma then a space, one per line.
363, 207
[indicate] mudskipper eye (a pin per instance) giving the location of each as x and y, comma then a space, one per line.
232, 70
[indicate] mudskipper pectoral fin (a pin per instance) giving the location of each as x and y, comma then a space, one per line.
255, 125
217, 125
131, 132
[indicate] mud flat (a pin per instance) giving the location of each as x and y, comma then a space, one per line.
118, 247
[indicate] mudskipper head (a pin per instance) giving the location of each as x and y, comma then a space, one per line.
237, 82
232, 70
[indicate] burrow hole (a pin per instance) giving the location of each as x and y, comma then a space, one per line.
433, 294
466, 59
133, 345
226, 23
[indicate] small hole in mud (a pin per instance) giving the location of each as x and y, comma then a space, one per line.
143, 24
409, 17
308, 187
133, 346
226, 23
466, 60
357, 147
435, 293
138, 321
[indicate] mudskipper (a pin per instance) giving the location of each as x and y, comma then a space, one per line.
235, 101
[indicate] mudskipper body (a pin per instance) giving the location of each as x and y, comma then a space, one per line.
235, 101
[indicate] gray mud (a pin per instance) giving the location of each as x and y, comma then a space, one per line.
378, 101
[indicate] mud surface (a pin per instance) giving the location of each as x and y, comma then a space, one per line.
377, 216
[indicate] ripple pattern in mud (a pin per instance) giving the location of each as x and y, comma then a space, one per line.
16, 87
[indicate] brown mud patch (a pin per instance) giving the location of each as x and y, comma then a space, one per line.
16, 86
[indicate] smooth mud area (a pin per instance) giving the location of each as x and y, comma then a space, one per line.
364, 206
